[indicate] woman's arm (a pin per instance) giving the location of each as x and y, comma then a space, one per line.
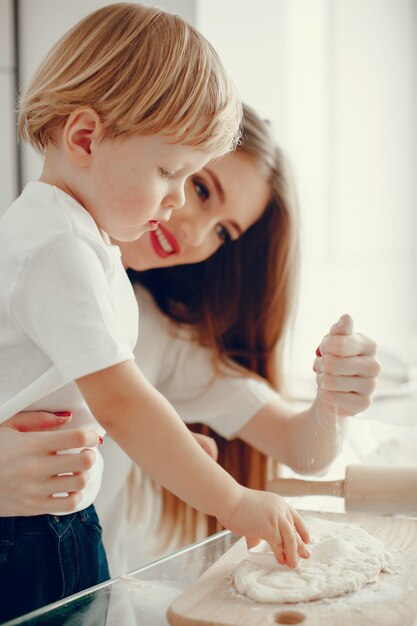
238, 405
29, 465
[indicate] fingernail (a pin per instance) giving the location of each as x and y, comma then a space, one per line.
63, 414
318, 353
100, 440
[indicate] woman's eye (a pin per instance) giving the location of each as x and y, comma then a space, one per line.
201, 189
166, 173
223, 234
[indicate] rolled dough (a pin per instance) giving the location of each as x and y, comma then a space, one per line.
344, 558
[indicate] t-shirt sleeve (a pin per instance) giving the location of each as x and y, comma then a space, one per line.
225, 400
63, 301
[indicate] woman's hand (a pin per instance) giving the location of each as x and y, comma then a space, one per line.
310, 440
346, 370
30, 467
208, 444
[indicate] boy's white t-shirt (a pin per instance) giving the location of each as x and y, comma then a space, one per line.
184, 373
67, 309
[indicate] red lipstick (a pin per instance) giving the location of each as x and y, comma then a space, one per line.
163, 242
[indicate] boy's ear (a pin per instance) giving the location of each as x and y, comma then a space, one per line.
82, 129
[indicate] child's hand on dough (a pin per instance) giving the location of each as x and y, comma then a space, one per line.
261, 515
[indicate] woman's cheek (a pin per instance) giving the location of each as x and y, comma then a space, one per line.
207, 250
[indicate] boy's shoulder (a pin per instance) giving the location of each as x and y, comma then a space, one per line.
46, 222
43, 210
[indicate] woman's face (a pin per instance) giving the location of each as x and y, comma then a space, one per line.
221, 202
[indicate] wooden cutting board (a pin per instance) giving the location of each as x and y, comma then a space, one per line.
213, 601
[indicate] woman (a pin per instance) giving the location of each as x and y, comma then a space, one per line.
219, 297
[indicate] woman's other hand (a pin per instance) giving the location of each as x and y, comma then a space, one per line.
208, 444
30, 467
346, 369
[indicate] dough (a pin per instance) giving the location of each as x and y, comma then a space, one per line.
344, 558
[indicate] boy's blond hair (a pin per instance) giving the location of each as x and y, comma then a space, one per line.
144, 71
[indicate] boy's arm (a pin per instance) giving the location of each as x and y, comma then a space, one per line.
147, 427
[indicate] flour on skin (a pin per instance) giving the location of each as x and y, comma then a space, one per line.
344, 558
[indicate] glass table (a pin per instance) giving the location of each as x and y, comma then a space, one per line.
140, 598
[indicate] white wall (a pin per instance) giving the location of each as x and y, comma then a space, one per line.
8, 175
42, 22
338, 79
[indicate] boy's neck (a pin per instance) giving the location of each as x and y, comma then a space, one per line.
51, 176
51, 173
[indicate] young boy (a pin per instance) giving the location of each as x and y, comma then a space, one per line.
127, 105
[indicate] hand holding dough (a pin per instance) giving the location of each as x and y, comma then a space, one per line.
346, 370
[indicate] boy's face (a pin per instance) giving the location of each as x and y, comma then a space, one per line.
134, 183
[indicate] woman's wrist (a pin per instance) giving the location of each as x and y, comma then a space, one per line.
326, 415
329, 423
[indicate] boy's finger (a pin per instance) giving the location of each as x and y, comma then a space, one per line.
278, 549
303, 538
289, 540
300, 526
302, 549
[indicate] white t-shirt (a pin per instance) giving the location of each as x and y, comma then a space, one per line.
183, 372
67, 308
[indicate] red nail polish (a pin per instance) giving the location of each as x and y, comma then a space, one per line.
100, 440
318, 353
63, 414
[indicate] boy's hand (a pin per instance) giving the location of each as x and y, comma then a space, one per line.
346, 370
208, 444
262, 515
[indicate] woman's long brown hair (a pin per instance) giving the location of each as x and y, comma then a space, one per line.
238, 302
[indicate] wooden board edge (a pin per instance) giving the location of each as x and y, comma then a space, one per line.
176, 613
180, 605
175, 619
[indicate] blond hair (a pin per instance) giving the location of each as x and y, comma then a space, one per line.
144, 72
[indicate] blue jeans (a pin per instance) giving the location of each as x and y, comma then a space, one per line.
44, 558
